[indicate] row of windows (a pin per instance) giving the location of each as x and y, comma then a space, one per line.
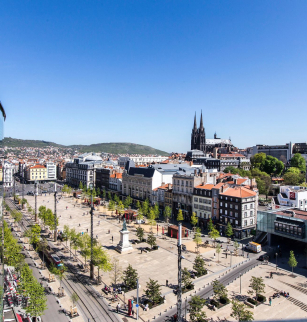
182, 182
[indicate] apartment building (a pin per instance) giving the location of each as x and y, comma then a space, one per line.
37, 172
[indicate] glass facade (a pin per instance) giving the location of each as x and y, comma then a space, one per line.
2, 118
285, 226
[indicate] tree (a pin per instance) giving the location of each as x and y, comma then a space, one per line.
140, 233
153, 291
199, 266
151, 239
60, 272
229, 231
130, 277
231, 169
196, 313
257, 285
258, 160
138, 204
104, 194
74, 298
210, 225
197, 237
85, 246
240, 313
38, 301
98, 192
127, 202
194, 219
66, 233
218, 251
145, 207
299, 162
179, 215
111, 205
109, 196
292, 178
76, 242
292, 260
167, 213
116, 199
117, 272
23, 202
151, 216
120, 207
236, 247
41, 246
214, 234
219, 290
72, 236
101, 259
140, 214
186, 279
34, 234
80, 185
156, 210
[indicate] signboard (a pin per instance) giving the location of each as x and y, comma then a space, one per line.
292, 195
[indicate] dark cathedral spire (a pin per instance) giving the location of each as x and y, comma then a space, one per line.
195, 123
201, 121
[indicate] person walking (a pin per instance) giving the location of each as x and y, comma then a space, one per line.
270, 300
117, 308
112, 239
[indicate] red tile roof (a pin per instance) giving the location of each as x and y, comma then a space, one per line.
240, 192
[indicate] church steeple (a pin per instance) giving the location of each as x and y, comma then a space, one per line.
195, 123
201, 121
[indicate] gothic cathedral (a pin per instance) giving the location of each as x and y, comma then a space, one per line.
198, 137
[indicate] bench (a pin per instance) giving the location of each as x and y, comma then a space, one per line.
249, 304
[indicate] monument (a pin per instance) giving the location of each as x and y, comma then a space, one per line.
124, 244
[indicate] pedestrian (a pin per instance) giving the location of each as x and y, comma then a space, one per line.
270, 300
117, 308
132, 312
141, 250
87, 230
96, 236
112, 239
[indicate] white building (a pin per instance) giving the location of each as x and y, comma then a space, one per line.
292, 196
51, 170
115, 182
7, 174
140, 160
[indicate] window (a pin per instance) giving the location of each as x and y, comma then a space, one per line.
245, 214
221, 204
196, 199
236, 215
251, 221
225, 212
245, 222
226, 204
236, 222
230, 213
245, 207
230, 206
236, 207
251, 213
221, 211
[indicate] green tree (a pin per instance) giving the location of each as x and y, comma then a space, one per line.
292, 260
127, 202
156, 211
153, 291
229, 231
66, 233
292, 178
186, 280
60, 272
240, 313
42, 246
257, 285
151, 216
34, 234
38, 301
85, 246
102, 260
104, 194
145, 207
236, 247
214, 234
210, 225
98, 192
120, 207
151, 239
179, 215
167, 213
109, 196
196, 313
111, 205
140, 233
74, 298
299, 162
194, 219
197, 237
219, 290
218, 251
231, 169
140, 214
199, 266
258, 160
23, 202
130, 277
116, 199
80, 185
138, 205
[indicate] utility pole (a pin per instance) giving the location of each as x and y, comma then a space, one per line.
35, 198
137, 299
92, 235
179, 291
14, 186
55, 214
23, 186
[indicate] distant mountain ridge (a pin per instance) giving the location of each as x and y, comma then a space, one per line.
114, 148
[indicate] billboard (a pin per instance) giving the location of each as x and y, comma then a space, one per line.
292, 195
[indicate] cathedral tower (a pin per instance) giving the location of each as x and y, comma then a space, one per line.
198, 137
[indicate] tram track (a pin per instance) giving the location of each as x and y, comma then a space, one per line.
91, 302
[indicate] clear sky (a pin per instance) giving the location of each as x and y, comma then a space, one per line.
82, 72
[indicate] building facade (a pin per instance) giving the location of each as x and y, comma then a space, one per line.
37, 172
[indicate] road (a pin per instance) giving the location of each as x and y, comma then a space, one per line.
206, 292
91, 304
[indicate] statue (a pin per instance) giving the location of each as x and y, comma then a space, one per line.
124, 225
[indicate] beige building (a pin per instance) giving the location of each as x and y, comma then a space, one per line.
37, 172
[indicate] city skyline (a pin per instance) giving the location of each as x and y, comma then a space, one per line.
137, 72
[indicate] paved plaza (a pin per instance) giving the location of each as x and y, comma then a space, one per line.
161, 264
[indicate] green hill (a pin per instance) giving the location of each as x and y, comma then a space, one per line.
114, 148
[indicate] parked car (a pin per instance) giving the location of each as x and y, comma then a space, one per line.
264, 258
30, 193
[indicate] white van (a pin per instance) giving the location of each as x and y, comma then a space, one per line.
254, 247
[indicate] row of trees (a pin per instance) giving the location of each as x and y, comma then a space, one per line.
29, 286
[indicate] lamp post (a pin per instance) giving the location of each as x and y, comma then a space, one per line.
231, 257
55, 214
276, 260
179, 291
35, 198
92, 234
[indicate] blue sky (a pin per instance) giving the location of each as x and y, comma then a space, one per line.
82, 72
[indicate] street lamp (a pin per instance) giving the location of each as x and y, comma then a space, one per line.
92, 234
276, 260
231, 257
55, 214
